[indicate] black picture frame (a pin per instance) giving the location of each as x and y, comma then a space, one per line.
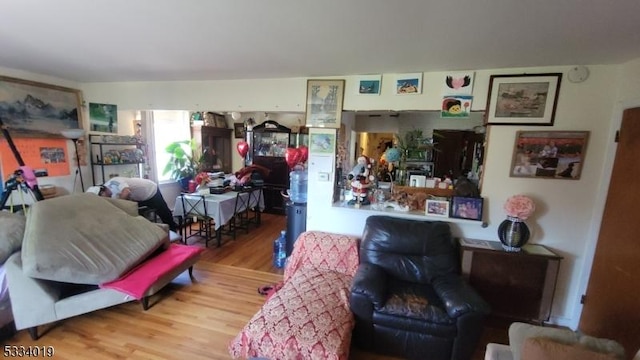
524, 99
467, 208
239, 131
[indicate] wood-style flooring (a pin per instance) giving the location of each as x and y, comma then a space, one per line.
189, 320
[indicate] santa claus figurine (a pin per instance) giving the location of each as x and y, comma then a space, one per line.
362, 179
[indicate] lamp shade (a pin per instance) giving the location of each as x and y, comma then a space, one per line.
72, 133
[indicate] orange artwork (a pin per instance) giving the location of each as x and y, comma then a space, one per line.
41, 153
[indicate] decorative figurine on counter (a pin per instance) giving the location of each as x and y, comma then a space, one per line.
362, 179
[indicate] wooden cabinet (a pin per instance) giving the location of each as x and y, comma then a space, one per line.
457, 151
216, 149
268, 144
518, 286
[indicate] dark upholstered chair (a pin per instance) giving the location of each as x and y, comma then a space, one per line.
408, 296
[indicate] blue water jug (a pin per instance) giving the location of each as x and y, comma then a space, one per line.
298, 180
279, 250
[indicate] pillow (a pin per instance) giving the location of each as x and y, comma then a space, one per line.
128, 206
539, 348
84, 239
602, 345
519, 332
11, 233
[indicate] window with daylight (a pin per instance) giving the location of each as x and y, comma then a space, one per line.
168, 126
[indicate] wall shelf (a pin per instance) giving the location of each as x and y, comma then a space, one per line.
113, 154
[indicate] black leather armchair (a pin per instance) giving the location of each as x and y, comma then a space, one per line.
408, 296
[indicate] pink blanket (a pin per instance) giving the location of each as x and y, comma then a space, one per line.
137, 281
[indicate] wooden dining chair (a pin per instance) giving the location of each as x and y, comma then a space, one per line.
240, 213
195, 208
255, 195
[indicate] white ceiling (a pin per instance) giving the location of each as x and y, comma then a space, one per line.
129, 40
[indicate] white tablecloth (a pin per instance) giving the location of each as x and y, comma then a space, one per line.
219, 207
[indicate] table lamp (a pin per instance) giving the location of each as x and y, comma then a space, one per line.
74, 135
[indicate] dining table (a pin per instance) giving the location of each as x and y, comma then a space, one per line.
220, 207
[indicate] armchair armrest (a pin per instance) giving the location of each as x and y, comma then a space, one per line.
370, 282
458, 297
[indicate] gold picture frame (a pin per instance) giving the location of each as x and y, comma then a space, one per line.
324, 103
34, 109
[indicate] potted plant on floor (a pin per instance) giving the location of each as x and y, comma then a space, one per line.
182, 165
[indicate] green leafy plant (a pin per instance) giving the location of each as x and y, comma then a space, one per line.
182, 163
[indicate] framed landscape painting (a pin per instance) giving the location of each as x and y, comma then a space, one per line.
527, 99
33, 109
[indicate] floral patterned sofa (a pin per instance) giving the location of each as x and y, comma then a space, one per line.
309, 317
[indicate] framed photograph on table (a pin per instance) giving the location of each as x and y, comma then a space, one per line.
527, 99
324, 103
466, 208
549, 154
37, 110
437, 208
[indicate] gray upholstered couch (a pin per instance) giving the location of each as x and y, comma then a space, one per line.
70, 246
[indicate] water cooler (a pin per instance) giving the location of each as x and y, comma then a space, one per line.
296, 207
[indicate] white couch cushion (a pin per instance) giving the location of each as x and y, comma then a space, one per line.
11, 233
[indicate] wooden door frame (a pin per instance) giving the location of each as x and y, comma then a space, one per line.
600, 201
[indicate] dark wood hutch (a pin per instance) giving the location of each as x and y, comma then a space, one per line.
268, 143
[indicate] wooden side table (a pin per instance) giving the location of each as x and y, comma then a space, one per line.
517, 285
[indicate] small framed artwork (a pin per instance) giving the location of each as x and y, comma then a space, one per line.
324, 103
368, 85
549, 154
239, 130
437, 208
103, 118
408, 84
322, 142
527, 99
466, 208
460, 83
456, 106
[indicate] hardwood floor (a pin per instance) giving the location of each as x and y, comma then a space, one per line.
189, 320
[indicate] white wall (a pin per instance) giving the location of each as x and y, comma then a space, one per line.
565, 207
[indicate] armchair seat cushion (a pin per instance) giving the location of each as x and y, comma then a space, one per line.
414, 308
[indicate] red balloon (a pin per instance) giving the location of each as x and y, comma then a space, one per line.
304, 153
243, 148
292, 156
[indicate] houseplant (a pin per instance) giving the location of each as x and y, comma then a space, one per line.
182, 165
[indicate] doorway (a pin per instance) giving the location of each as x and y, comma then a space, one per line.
611, 307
